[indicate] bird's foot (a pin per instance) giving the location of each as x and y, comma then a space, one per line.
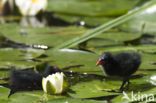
122, 88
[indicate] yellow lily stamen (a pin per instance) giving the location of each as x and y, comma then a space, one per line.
34, 1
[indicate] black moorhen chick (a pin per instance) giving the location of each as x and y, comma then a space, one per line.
123, 65
28, 79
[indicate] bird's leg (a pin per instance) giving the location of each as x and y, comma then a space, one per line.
128, 82
123, 83
12, 91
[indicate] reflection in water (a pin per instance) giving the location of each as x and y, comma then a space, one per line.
33, 22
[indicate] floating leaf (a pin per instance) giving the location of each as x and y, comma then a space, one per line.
72, 100
69, 57
143, 22
48, 36
139, 96
18, 57
4, 94
145, 48
89, 21
91, 7
32, 96
107, 39
104, 27
97, 88
93, 89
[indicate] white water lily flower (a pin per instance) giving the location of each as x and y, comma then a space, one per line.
54, 84
30, 7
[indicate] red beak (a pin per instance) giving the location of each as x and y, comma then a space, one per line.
98, 62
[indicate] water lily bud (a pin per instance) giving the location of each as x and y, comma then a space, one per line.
54, 84
30, 7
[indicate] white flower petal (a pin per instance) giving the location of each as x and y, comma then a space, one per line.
30, 7
44, 83
56, 80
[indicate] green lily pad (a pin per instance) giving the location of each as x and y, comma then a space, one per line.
3, 74
93, 12
89, 21
147, 60
69, 57
146, 48
143, 22
136, 97
94, 43
18, 57
56, 35
119, 36
141, 84
4, 94
26, 97
91, 7
107, 39
32, 96
73, 100
49, 36
94, 89
97, 88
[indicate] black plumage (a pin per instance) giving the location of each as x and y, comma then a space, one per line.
21, 80
123, 65
51, 70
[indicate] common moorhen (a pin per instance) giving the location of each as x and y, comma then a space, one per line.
123, 64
